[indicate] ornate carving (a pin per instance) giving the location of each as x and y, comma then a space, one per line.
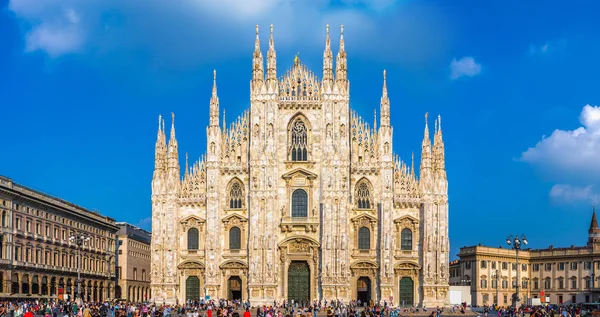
299, 247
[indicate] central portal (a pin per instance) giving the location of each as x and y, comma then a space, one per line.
234, 288
363, 290
299, 282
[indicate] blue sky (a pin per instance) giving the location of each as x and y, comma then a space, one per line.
82, 84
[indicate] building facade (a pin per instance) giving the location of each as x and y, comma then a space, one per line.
565, 275
37, 258
133, 263
300, 199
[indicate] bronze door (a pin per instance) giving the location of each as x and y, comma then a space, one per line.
192, 288
299, 282
406, 291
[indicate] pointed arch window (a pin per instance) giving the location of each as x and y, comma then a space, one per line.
299, 203
192, 241
363, 196
406, 239
299, 141
235, 238
364, 238
236, 195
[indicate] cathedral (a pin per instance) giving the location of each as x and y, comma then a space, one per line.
300, 199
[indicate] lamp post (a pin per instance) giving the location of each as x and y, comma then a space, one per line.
528, 287
79, 238
592, 283
496, 276
517, 243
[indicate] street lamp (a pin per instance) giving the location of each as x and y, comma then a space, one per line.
527, 285
517, 243
496, 276
592, 282
79, 238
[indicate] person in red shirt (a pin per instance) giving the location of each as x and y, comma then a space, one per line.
247, 313
28, 313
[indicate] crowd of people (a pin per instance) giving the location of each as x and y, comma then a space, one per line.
237, 308
210, 308
538, 311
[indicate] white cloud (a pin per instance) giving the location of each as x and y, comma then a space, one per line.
570, 159
196, 32
465, 66
565, 193
539, 49
570, 153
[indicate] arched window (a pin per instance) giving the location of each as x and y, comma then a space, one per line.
235, 238
364, 238
192, 239
236, 195
406, 239
299, 141
3, 218
299, 203
363, 196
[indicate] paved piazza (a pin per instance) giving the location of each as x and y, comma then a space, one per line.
300, 198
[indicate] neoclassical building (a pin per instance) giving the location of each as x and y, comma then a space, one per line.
300, 198
37, 258
567, 275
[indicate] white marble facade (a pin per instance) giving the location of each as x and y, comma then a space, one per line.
300, 198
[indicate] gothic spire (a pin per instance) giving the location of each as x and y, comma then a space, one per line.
327, 59
341, 70
161, 146
173, 175
186, 165
271, 60
172, 154
214, 102
438, 151
594, 223
412, 164
384, 112
375, 121
258, 72
425, 150
172, 136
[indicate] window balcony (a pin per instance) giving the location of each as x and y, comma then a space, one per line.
309, 224
193, 253
369, 253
